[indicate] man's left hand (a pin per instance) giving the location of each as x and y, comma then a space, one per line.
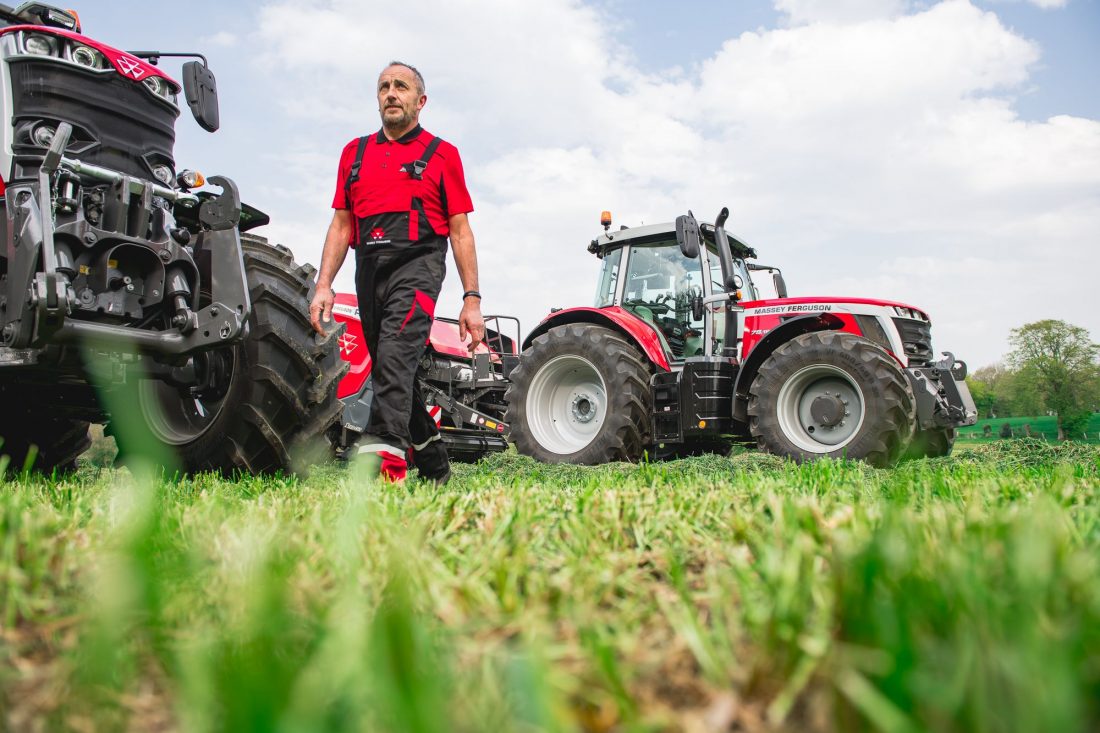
471, 322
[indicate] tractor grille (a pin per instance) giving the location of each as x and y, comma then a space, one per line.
117, 123
917, 338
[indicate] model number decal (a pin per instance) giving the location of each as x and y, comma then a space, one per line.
791, 309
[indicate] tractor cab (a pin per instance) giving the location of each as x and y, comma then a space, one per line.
673, 280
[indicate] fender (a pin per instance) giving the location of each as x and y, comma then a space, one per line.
775, 338
353, 346
617, 319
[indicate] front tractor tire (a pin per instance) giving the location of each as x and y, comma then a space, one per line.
580, 394
27, 428
931, 443
830, 394
280, 382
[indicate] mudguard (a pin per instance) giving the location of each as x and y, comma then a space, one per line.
617, 319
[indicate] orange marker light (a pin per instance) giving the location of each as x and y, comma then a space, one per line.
188, 179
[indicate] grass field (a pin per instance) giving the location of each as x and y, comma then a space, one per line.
1042, 426
708, 594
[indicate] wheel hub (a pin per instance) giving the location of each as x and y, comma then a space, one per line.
584, 408
827, 410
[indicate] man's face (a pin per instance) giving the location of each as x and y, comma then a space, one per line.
399, 101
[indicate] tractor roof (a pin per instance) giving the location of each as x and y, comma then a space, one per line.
666, 230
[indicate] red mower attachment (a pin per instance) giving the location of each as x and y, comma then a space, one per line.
464, 392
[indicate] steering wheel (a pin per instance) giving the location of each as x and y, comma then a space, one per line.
656, 307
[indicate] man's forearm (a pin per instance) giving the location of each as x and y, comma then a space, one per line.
465, 254
335, 251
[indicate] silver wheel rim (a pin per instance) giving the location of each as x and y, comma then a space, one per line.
832, 389
566, 404
173, 418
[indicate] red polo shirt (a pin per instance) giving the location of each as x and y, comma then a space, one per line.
383, 187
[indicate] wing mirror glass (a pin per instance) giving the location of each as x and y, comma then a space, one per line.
780, 285
687, 235
202, 94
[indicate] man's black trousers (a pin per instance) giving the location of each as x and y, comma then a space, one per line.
397, 294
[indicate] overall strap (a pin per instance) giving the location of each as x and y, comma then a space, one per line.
353, 174
416, 168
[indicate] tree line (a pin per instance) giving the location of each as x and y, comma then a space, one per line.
1053, 367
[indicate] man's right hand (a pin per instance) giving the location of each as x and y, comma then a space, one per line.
320, 309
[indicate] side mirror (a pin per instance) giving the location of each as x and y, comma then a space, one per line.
697, 308
202, 94
780, 285
687, 235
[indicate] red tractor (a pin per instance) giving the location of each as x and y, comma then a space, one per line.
124, 291
681, 355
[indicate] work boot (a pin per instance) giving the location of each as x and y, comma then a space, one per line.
431, 461
392, 468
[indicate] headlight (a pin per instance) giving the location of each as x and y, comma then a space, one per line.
40, 44
42, 135
87, 56
157, 86
163, 174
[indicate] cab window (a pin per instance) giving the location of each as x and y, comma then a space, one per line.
660, 285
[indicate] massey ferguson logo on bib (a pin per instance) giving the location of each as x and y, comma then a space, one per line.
131, 67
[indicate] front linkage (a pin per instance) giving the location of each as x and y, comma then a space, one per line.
49, 283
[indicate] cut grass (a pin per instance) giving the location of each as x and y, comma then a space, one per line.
1044, 427
701, 594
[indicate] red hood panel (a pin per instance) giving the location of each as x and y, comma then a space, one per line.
129, 66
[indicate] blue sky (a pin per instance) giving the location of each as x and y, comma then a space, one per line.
942, 153
1067, 80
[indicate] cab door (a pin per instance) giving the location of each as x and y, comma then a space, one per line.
660, 287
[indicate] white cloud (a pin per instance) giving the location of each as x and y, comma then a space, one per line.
840, 11
867, 148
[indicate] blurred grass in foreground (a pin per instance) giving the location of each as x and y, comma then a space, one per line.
740, 593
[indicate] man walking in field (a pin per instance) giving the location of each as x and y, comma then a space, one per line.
400, 193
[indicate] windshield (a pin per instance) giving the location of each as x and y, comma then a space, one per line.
609, 278
660, 285
748, 290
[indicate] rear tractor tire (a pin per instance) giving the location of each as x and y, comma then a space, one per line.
830, 394
281, 381
581, 394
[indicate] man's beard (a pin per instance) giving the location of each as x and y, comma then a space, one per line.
397, 123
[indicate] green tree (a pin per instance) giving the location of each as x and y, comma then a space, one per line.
1058, 362
998, 391
1017, 395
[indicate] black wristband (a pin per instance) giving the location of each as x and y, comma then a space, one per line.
473, 293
